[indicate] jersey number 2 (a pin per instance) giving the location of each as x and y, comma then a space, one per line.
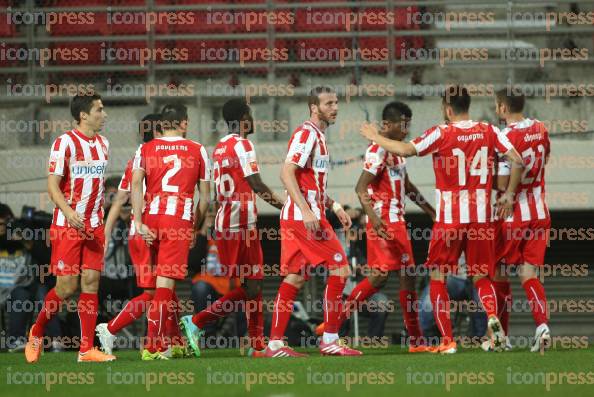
170, 173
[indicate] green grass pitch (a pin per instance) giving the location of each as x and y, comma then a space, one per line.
380, 372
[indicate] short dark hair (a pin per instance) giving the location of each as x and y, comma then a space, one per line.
173, 114
512, 99
5, 211
149, 124
233, 111
457, 97
314, 94
82, 103
394, 111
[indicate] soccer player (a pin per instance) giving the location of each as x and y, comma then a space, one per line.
463, 161
307, 238
171, 167
149, 128
75, 184
382, 188
237, 181
523, 236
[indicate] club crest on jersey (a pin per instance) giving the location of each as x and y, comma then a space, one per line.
338, 257
404, 258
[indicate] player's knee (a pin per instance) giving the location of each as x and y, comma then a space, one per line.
378, 280
252, 289
89, 282
295, 279
66, 288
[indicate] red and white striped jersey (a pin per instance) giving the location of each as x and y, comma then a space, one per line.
82, 162
234, 159
387, 191
464, 156
173, 166
531, 138
308, 150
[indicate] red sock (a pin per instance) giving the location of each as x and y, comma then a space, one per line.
135, 308
172, 327
220, 308
51, 305
157, 316
255, 318
538, 300
440, 300
504, 300
87, 312
408, 303
487, 295
360, 293
333, 307
283, 307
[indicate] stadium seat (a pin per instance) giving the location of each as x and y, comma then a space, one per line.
198, 53
98, 27
201, 25
6, 29
282, 23
78, 54
280, 53
375, 19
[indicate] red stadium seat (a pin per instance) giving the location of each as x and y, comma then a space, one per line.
98, 26
205, 51
377, 44
6, 29
78, 54
377, 18
202, 24
261, 54
135, 51
321, 20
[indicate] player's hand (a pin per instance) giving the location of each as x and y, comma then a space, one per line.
146, 233
505, 205
310, 221
194, 238
379, 226
75, 219
344, 218
369, 131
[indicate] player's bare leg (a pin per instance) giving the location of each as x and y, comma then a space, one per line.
538, 304
135, 308
440, 300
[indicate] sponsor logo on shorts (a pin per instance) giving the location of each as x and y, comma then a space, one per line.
60, 265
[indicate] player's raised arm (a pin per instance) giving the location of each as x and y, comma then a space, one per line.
413, 193
371, 132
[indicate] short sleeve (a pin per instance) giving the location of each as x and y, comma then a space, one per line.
429, 142
204, 169
502, 143
247, 157
301, 147
374, 159
139, 159
126, 180
59, 158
